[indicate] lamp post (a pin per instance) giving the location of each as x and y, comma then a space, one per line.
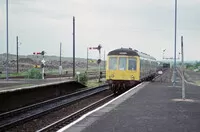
174, 69
60, 53
7, 39
18, 43
182, 60
74, 47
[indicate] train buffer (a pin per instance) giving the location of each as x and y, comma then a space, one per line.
157, 107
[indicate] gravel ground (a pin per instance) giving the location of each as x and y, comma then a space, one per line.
43, 121
164, 78
192, 76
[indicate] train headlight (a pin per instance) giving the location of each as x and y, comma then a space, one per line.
112, 76
132, 77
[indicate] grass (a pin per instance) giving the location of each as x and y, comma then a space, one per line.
14, 74
191, 68
51, 72
198, 83
188, 78
94, 83
83, 69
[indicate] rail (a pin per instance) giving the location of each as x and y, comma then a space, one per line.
60, 123
21, 115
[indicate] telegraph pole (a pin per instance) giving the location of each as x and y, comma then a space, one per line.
174, 72
7, 39
87, 58
183, 79
17, 54
60, 53
74, 46
60, 67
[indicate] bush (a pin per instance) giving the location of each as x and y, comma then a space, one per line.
34, 74
83, 78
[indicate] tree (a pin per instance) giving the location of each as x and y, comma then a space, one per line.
83, 78
34, 74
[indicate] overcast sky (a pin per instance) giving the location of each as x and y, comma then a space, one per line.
145, 25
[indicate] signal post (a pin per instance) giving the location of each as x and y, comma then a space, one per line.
98, 61
43, 61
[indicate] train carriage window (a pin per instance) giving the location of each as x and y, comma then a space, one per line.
141, 64
113, 63
132, 64
122, 63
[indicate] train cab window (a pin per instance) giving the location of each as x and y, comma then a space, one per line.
122, 63
131, 64
113, 63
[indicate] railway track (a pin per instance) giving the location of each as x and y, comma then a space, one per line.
19, 116
70, 118
22, 115
66, 120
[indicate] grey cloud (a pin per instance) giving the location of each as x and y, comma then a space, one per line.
31, 7
42, 24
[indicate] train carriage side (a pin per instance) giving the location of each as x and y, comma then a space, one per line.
148, 66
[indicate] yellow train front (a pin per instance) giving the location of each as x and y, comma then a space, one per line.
126, 67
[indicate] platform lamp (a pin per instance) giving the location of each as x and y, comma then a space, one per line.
175, 33
7, 40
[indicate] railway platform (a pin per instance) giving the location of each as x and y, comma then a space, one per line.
18, 84
149, 107
22, 94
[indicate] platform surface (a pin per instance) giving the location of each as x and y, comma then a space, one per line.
155, 107
14, 84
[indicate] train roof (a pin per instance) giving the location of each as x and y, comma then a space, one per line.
130, 52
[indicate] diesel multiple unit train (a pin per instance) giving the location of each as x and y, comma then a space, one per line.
126, 67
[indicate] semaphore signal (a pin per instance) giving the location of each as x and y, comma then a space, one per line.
43, 62
98, 61
39, 53
36, 53
98, 48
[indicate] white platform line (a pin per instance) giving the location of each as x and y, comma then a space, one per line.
33, 86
